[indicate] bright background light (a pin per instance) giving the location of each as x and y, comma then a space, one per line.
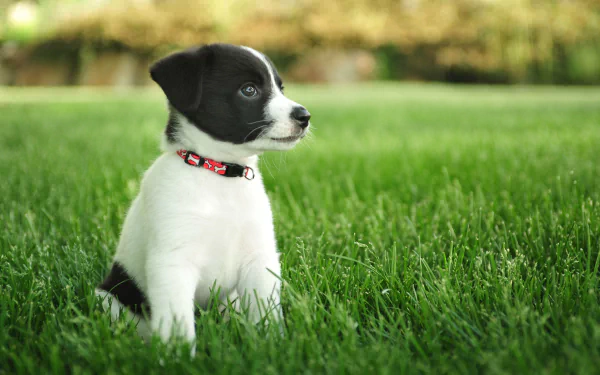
22, 14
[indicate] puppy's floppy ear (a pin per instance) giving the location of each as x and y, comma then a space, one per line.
180, 77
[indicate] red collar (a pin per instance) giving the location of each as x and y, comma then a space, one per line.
222, 168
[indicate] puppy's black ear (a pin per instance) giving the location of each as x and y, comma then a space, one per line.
180, 77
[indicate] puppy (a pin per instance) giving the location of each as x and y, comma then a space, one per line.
202, 221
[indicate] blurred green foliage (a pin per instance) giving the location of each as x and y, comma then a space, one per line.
542, 41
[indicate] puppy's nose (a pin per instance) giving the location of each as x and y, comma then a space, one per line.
301, 115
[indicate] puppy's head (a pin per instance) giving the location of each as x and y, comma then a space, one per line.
233, 94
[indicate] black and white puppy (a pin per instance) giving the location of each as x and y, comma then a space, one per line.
202, 220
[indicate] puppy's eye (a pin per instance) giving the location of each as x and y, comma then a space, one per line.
282, 88
249, 90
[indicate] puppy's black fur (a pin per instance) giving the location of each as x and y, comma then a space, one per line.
121, 285
204, 84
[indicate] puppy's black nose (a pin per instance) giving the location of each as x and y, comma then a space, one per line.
301, 115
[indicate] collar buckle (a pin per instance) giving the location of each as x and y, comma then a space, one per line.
249, 173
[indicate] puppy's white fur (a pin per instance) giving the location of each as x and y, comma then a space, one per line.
190, 229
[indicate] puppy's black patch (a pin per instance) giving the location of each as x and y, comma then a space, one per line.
124, 289
204, 84
172, 126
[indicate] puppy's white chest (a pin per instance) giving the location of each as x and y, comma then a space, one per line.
214, 224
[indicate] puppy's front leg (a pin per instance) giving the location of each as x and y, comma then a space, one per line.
171, 288
260, 289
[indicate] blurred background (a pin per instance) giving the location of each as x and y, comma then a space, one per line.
111, 43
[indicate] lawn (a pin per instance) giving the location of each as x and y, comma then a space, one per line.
423, 229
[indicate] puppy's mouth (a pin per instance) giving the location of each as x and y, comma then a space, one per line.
291, 138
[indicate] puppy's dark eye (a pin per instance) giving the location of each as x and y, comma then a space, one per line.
282, 88
249, 90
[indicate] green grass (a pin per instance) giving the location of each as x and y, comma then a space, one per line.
424, 228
